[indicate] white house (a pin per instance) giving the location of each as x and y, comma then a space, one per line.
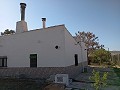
46, 47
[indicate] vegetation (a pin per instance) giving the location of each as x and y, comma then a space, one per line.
8, 32
117, 71
99, 81
96, 52
90, 40
100, 56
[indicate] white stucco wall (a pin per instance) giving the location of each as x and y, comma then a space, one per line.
84, 51
72, 48
18, 48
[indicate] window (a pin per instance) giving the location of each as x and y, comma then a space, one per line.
76, 59
3, 61
33, 60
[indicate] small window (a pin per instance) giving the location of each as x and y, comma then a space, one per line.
57, 47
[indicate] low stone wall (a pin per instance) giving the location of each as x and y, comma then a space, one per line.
40, 72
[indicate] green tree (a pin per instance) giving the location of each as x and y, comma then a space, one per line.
8, 32
100, 56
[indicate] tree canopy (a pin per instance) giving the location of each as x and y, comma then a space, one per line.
8, 32
100, 56
95, 51
90, 40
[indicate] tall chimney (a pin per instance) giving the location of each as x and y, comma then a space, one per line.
21, 26
44, 22
22, 6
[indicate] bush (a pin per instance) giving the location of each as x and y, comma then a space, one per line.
98, 81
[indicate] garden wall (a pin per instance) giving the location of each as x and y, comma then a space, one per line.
40, 72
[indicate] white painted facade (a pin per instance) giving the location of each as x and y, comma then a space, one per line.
18, 47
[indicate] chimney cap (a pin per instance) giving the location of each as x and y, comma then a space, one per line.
23, 4
43, 19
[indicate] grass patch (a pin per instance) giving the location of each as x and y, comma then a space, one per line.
114, 77
117, 71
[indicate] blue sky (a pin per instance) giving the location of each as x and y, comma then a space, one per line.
102, 17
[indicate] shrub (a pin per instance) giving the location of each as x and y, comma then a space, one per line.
99, 81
